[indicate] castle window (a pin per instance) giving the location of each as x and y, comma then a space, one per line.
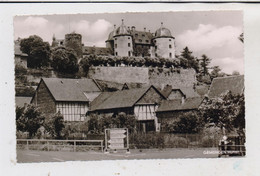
155, 54
143, 35
140, 40
128, 38
129, 44
146, 41
116, 53
170, 54
115, 38
155, 47
129, 53
170, 40
154, 41
170, 46
115, 45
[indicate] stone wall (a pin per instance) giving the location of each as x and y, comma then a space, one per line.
44, 100
175, 77
156, 76
120, 74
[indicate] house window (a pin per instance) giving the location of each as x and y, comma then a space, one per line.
136, 35
115, 38
170, 40
155, 47
170, 46
147, 41
72, 111
129, 53
128, 38
140, 40
155, 54
129, 44
116, 53
143, 35
170, 55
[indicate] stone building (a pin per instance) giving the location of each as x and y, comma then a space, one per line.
125, 41
70, 97
130, 42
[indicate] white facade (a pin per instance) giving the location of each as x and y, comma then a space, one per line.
164, 47
72, 111
123, 45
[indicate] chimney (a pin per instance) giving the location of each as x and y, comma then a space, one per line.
133, 28
145, 29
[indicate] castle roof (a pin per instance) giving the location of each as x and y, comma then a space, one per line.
122, 29
87, 50
235, 84
163, 32
142, 37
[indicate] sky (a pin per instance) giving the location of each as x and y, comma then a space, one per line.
214, 33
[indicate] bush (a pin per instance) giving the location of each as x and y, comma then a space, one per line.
143, 140
174, 141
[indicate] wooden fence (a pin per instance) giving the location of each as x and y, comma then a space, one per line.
57, 145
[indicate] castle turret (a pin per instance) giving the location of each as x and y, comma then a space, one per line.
123, 42
110, 40
164, 43
74, 41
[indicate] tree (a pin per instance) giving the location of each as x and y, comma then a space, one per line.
30, 120
64, 60
235, 73
188, 122
54, 125
215, 72
226, 112
188, 60
38, 51
205, 61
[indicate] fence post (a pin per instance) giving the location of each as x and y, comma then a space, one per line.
27, 144
74, 146
102, 145
48, 145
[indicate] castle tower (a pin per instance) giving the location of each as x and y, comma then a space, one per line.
123, 42
74, 41
110, 40
164, 43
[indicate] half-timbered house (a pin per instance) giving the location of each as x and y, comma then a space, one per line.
70, 97
141, 102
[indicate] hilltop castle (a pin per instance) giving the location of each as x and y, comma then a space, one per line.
123, 41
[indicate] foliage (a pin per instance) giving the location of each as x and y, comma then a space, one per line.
226, 111
30, 120
38, 51
144, 140
216, 72
64, 60
205, 61
188, 60
241, 37
24, 91
189, 122
54, 125
98, 123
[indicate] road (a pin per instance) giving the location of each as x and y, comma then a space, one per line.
29, 156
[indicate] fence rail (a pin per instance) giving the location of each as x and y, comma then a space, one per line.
55, 145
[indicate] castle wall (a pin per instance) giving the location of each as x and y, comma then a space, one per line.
176, 78
120, 74
123, 46
163, 47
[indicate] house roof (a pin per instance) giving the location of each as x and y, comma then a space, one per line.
188, 92
119, 99
71, 89
20, 101
177, 105
235, 84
